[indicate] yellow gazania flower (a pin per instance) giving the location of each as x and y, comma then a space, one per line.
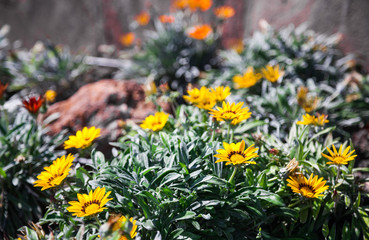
231, 112
248, 79
201, 98
127, 39
90, 204
236, 154
236, 45
340, 157
319, 120
122, 221
55, 173
155, 122
224, 12
221, 93
272, 74
83, 139
310, 188
50, 95
195, 94
206, 101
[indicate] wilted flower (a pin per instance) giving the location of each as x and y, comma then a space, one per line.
55, 173
236, 45
83, 139
155, 122
143, 18
50, 95
319, 120
150, 88
127, 39
200, 32
224, 12
90, 204
311, 104
341, 157
166, 19
302, 95
33, 104
231, 112
236, 154
248, 79
308, 104
310, 188
272, 74
2, 89
292, 167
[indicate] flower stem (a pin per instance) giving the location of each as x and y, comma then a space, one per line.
70, 185
97, 220
338, 173
233, 174
232, 132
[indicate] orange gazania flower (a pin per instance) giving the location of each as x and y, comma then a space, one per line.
203, 5
143, 18
166, 19
127, 39
200, 32
2, 89
180, 4
224, 12
33, 105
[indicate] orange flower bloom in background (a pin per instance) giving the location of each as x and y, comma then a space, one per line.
200, 32
224, 12
2, 89
33, 105
127, 39
203, 5
166, 19
180, 4
143, 18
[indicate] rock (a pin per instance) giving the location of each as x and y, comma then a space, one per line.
103, 104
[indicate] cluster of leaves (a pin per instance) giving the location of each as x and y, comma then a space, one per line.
43, 66
170, 183
309, 60
25, 149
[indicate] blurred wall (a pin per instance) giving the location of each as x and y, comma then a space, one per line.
83, 24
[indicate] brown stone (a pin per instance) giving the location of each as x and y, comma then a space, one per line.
103, 104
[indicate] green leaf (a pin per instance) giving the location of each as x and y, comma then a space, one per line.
185, 215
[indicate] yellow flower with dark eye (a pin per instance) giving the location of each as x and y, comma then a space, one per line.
201, 98
220, 93
122, 221
83, 139
90, 204
248, 79
155, 122
194, 94
236, 154
206, 101
50, 95
272, 74
319, 120
341, 157
310, 188
55, 173
231, 112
